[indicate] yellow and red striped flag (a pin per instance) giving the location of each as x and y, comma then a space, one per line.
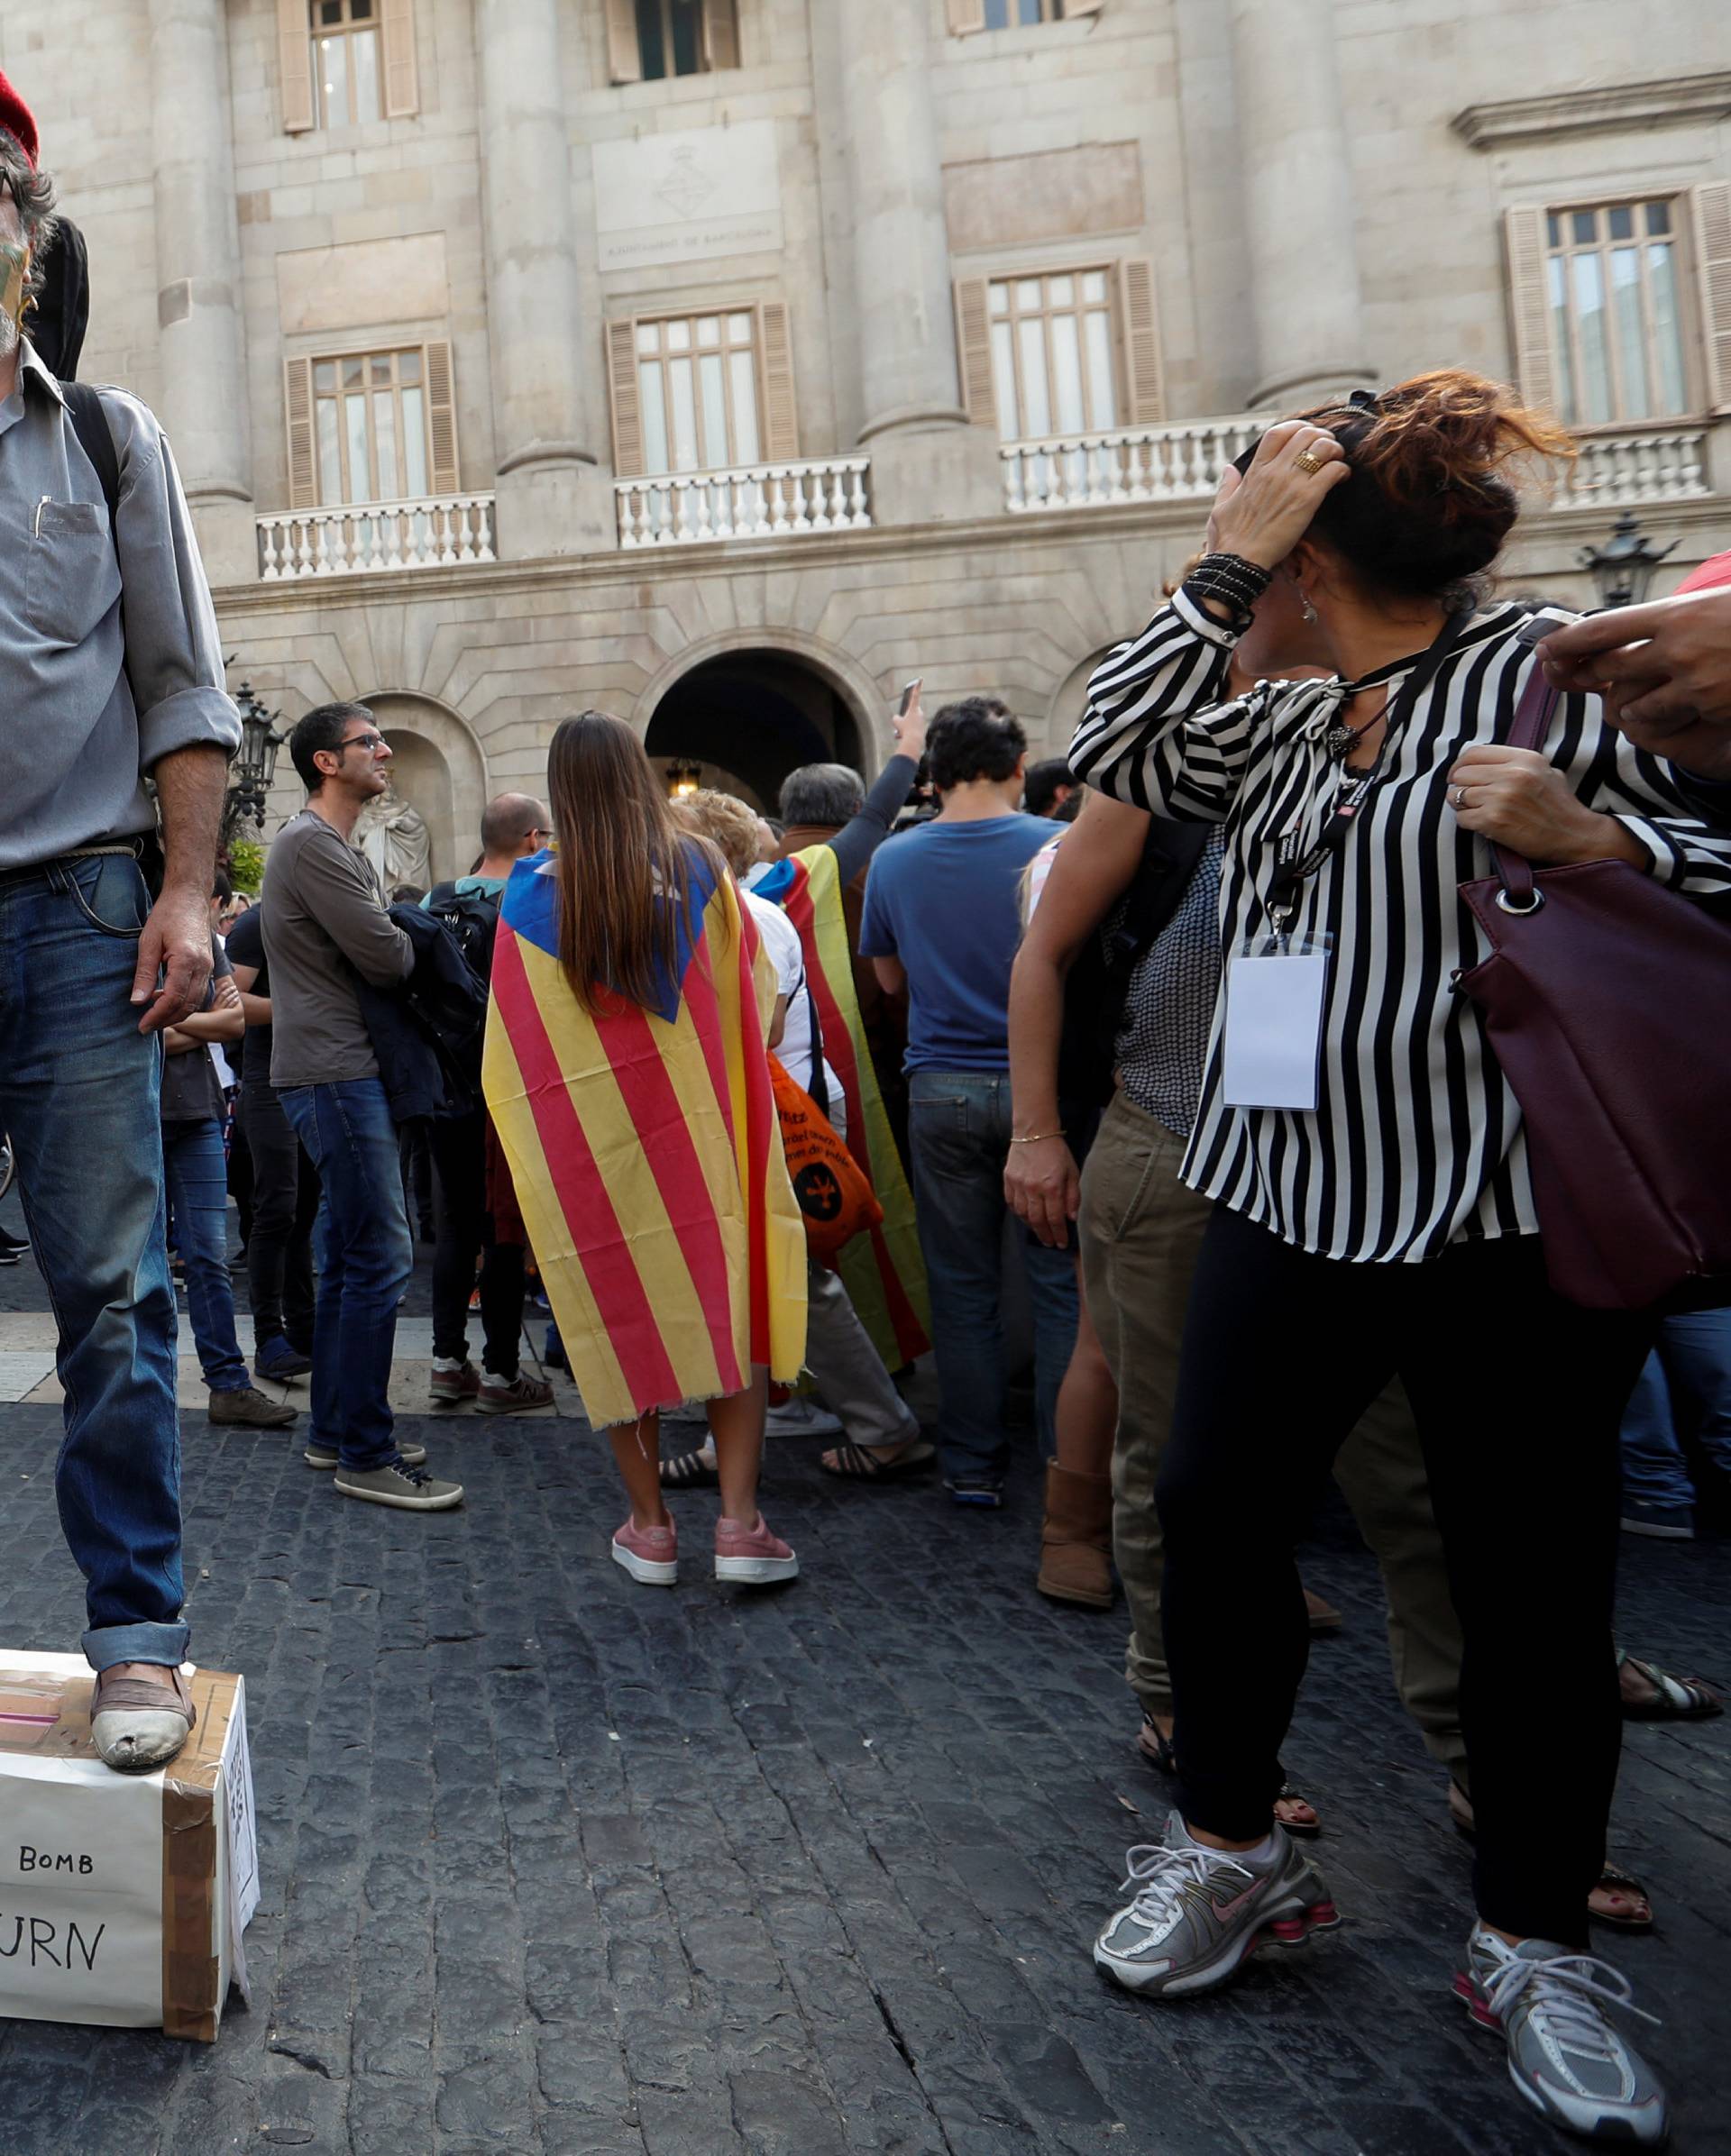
883, 1270
646, 1155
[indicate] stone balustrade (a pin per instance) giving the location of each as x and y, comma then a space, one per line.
1180, 462
1645, 464
356, 537
756, 501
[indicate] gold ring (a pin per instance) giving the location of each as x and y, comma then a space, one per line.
1308, 460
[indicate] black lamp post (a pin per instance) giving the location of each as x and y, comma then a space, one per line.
1623, 567
255, 768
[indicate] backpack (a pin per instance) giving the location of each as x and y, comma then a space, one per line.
1099, 980
472, 919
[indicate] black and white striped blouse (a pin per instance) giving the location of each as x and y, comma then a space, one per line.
1416, 1139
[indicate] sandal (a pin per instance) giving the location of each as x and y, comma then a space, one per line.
1156, 1749
689, 1471
1677, 1698
855, 1463
1304, 1828
1614, 1882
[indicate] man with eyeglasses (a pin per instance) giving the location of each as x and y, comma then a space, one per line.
326, 932
512, 828
110, 673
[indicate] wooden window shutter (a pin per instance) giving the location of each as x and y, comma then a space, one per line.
623, 396
295, 65
1140, 338
973, 347
303, 458
781, 417
402, 71
624, 54
966, 16
1529, 307
720, 35
442, 417
1712, 203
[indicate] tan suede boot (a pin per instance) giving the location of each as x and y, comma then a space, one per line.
1076, 1542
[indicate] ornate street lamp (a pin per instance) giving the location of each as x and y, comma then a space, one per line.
684, 779
1623, 567
255, 768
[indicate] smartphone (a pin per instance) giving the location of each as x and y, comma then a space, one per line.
908, 695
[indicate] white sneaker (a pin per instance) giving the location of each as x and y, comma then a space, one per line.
802, 1417
1565, 2056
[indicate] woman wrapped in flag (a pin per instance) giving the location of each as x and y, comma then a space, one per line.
626, 1070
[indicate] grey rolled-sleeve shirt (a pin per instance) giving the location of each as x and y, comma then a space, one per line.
325, 930
109, 653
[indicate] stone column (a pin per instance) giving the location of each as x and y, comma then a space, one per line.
926, 460
1300, 211
547, 359
201, 333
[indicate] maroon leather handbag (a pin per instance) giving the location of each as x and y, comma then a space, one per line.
1607, 999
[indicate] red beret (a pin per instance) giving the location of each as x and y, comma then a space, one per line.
18, 121
1715, 571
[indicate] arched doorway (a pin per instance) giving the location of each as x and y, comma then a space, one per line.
438, 769
746, 718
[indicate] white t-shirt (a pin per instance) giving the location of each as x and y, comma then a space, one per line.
781, 941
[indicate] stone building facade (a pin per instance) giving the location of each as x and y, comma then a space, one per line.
726, 362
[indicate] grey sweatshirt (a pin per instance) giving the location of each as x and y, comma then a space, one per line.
325, 930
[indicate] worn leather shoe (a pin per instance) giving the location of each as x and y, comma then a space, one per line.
137, 1724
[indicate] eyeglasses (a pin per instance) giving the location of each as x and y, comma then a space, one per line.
363, 741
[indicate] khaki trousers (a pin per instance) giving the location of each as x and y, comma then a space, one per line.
1141, 1229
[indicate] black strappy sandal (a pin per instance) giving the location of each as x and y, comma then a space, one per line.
1676, 1698
855, 1464
1612, 1877
689, 1471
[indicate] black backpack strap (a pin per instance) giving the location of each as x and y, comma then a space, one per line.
1168, 863
90, 425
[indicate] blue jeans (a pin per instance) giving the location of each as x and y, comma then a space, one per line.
198, 1178
1692, 1362
78, 1093
365, 1259
958, 1128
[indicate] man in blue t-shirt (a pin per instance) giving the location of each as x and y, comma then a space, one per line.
943, 919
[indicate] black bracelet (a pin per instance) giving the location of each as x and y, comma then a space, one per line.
1229, 578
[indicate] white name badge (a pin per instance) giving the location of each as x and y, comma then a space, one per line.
1274, 1027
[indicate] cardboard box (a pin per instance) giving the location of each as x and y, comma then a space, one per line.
123, 1898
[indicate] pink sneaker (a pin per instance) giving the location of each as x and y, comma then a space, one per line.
752, 1554
649, 1553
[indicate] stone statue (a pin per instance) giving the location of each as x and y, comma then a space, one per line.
393, 836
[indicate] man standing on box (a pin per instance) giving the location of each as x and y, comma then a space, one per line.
110, 672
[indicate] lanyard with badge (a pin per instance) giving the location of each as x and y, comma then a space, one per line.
1277, 984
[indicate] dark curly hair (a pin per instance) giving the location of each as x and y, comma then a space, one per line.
34, 192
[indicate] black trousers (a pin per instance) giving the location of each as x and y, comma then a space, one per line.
465, 1226
1518, 1396
285, 1204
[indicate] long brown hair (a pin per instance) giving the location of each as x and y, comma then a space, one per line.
624, 865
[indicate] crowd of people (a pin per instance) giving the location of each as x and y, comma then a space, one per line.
1153, 1076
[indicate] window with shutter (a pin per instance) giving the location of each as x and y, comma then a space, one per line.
368, 426
1712, 208
297, 404
294, 67
966, 16
1140, 341
694, 393
624, 60
402, 68
650, 40
781, 417
1054, 341
973, 349
347, 61
1596, 300
622, 395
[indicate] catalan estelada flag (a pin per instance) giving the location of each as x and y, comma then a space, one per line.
883, 1271
646, 1155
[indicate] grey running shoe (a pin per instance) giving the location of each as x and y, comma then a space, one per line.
410, 1489
518, 1395
1196, 1913
320, 1455
246, 1408
1564, 2056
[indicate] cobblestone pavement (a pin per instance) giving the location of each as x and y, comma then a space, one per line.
554, 1863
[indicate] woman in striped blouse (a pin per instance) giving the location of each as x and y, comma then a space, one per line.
1388, 1230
